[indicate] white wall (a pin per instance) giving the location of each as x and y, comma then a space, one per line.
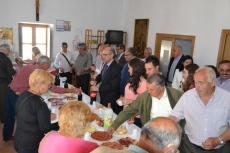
85, 14
204, 19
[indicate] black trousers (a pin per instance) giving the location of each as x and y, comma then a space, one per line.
83, 82
188, 147
68, 75
3, 93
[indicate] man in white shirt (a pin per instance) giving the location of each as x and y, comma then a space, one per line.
224, 80
147, 53
98, 63
120, 49
63, 63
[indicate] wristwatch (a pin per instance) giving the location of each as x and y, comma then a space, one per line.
221, 141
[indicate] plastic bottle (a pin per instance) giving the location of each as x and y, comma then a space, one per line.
108, 116
93, 97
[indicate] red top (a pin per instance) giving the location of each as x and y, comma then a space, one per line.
20, 82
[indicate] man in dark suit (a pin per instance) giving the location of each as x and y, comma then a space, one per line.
175, 62
130, 53
120, 49
108, 81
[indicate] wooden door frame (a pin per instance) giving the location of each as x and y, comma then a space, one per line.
173, 37
224, 34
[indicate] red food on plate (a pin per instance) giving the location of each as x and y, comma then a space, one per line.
101, 136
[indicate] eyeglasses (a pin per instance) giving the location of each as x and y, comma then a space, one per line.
127, 55
106, 54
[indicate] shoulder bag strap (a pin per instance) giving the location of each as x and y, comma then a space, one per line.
66, 59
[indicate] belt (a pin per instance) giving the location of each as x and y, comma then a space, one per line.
202, 149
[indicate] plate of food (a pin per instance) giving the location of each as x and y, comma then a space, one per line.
127, 141
121, 130
113, 145
94, 117
101, 136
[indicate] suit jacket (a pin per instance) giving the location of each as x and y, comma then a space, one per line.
122, 61
124, 79
177, 66
143, 105
110, 85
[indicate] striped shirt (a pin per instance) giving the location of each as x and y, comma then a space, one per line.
204, 121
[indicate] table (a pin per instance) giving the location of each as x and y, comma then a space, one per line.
86, 99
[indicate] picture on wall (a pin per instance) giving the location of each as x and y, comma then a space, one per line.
62, 25
140, 36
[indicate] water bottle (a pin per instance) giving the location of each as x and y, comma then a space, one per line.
108, 116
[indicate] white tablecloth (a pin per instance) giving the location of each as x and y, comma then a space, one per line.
86, 99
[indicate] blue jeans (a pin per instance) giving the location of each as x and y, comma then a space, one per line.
8, 127
21, 149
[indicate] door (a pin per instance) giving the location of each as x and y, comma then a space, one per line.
224, 49
164, 44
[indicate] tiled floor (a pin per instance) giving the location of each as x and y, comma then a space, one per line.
6, 147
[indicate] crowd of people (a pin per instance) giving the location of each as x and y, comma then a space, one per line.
193, 97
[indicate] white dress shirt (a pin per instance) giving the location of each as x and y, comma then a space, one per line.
60, 61
160, 107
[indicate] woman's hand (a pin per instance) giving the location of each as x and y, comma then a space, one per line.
53, 116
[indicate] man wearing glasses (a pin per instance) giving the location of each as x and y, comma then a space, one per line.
108, 81
130, 53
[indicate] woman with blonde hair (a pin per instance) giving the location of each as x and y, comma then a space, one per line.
32, 113
73, 118
36, 53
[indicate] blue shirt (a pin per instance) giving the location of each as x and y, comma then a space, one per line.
224, 85
136, 149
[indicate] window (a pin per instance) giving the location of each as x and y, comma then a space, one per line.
34, 35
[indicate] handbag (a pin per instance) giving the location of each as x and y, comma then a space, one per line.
73, 71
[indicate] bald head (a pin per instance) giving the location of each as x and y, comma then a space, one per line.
160, 134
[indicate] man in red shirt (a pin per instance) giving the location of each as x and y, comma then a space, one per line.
20, 84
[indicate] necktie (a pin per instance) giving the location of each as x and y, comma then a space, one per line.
172, 69
104, 71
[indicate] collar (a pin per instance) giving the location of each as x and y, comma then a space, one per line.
109, 63
136, 149
165, 95
178, 58
219, 80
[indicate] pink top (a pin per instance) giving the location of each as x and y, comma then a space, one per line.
129, 94
20, 82
53, 142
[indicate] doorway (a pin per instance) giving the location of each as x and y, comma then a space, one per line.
224, 48
163, 47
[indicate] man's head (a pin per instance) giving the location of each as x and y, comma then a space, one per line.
155, 85
108, 55
152, 65
176, 51
5, 48
81, 47
130, 53
44, 62
107, 44
64, 47
147, 52
100, 49
204, 79
120, 48
160, 135
224, 69
19, 61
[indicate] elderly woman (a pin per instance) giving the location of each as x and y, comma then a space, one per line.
33, 115
36, 53
73, 118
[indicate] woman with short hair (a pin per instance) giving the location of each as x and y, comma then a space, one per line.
73, 119
32, 113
